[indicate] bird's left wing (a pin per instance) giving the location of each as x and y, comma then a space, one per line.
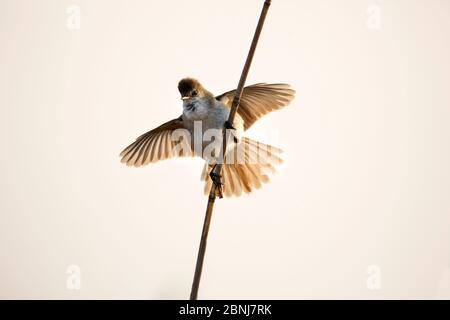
169, 140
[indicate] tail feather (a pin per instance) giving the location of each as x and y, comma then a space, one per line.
237, 178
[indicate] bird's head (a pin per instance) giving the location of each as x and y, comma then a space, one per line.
191, 89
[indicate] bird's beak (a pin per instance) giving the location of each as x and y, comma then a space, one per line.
184, 98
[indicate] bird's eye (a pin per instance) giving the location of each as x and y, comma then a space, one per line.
194, 93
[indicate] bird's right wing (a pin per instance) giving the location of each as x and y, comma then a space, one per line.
169, 140
258, 100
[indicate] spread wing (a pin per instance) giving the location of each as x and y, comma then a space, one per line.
258, 100
166, 141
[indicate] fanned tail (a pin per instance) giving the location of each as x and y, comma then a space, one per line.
246, 169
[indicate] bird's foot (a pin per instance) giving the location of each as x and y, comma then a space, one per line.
216, 179
229, 125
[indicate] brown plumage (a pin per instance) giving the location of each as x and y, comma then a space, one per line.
258, 100
175, 138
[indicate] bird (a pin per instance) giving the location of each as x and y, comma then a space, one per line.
247, 163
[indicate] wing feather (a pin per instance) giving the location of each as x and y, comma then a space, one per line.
157, 144
259, 99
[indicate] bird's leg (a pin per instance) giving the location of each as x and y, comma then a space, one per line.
215, 177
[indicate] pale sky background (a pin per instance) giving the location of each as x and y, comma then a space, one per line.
366, 179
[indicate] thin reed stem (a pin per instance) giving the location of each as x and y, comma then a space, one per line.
218, 167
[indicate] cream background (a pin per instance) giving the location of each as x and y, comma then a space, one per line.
366, 178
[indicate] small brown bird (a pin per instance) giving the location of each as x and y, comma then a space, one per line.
246, 161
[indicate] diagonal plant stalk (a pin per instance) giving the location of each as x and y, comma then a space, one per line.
218, 168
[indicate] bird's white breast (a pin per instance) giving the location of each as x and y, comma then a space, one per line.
211, 115
204, 120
